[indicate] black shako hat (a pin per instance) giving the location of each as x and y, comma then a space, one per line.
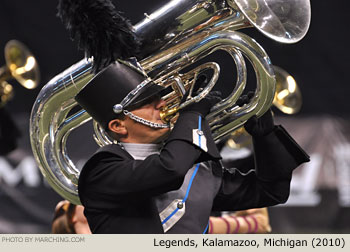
113, 89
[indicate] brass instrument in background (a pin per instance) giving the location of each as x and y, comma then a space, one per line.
287, 96
287, 99
20, 65
195, 29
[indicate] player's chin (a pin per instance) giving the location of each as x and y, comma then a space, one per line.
162, 131
163, 135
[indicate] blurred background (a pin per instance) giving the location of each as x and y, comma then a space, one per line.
320, 195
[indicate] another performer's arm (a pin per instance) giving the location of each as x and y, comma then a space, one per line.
241, 222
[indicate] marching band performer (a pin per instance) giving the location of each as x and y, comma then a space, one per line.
155, 180
158, 180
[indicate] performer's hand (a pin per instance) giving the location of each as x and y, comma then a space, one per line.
203, 106
255, 126
262, 126
244, 99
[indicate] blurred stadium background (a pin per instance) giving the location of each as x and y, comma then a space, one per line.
320, 196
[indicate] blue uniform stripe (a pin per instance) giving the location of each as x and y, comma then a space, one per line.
199, 128
170, 215
192, 177
190, 183
206, 228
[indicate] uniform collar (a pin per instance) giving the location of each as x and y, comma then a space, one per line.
141, 151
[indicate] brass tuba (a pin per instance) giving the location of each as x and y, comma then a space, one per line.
193, 30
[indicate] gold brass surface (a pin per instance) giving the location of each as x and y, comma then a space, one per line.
20, 65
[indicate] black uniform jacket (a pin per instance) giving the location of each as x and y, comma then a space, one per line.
118, 192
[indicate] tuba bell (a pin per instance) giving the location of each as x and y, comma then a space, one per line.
287, 96
20, 65
194, 29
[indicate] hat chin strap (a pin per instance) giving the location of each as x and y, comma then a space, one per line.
144, 121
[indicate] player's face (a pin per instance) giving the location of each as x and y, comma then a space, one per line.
140, 133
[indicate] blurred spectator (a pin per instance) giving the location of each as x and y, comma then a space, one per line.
242, 222
69, 219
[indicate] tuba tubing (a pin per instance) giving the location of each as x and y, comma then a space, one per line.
50, 128
183, 42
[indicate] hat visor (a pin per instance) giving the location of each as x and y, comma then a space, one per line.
144, 94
